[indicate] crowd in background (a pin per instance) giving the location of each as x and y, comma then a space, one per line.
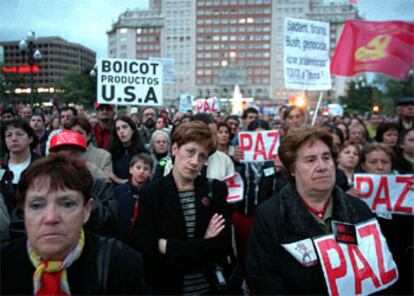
141, 161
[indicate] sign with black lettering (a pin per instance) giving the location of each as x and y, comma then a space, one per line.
386, 193
306, 55
129, 82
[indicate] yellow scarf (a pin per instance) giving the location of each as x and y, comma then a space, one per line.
50, 277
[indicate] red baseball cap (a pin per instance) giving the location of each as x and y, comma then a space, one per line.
67, 137
100, 105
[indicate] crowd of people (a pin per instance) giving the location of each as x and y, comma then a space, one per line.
106, 202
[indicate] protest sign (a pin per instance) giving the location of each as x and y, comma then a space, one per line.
235, 187
306, 55
168, 69
357, 270
186, 103
259, 146
129, 82
386, 193
210, 105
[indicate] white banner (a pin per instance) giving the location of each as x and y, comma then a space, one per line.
129, 82
259, 146
186, 103
168, 67
235, 187
306, 55
210, 105
386, 193
357, 270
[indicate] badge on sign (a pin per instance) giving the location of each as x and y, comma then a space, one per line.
344, 233
269, 171
303, 251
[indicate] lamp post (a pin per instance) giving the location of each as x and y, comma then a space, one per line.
27, 47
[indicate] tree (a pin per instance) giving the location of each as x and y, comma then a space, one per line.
359, 98
78, 88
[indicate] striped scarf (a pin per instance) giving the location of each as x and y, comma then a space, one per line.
50, 277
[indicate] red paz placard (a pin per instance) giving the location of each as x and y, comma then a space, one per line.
259, 146
386, 193
235, 187
210, 105
357, 270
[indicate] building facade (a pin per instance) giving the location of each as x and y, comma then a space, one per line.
58, 58
217, 44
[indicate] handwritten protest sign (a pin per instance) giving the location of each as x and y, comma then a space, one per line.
129, 82
235, 187
259, 146
357, 270
306, 55
210, 105
386, 193
186, 102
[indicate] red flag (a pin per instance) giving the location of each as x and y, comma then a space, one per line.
378, 47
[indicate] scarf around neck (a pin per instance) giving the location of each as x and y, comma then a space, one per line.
50, 277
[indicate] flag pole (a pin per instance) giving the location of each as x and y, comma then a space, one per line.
317, 108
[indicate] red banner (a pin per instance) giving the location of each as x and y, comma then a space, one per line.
378, 47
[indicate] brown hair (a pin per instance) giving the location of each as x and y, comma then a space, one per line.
376, 146
194, 131
82, 121
296, 138
350, 143
62, 170
144, 157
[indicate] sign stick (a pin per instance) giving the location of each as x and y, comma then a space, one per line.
317, 108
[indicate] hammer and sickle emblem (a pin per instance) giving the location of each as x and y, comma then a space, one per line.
374, 50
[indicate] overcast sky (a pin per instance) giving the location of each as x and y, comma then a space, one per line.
87, 21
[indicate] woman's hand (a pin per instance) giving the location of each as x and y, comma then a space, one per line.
111, 176
354, 192
215, 226
238, 154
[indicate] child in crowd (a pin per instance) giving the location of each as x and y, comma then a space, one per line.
127, 194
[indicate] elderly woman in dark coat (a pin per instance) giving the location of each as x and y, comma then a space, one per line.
301, 210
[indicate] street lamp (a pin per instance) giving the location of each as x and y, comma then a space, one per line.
27, 47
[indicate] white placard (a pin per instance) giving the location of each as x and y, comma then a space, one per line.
259, 146
306, 55
186, 103
386, 193
357, 270
235, 188
129, 82
210, 105
168, 66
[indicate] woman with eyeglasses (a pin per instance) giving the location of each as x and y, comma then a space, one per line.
184, 225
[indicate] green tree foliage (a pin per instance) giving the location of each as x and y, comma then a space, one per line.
383, 91
78, 88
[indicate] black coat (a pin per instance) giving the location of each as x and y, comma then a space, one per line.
161, 216
284, 219
125, 275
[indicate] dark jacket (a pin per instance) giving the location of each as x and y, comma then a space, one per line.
161, 216
284, 219
125, 276
8, 189
126, 195
257, 187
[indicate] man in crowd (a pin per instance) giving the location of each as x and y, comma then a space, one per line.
102, 130
148, 119
65, 113
405, 110
374, 119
